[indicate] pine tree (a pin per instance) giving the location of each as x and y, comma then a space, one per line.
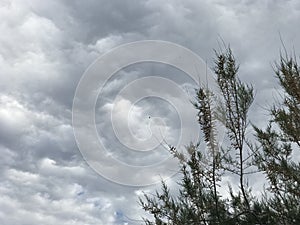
280, 144
199, 201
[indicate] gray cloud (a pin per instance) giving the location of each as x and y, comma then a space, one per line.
45, 46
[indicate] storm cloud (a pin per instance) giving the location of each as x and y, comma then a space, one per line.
45, 47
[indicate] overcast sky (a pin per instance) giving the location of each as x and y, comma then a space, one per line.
45, 47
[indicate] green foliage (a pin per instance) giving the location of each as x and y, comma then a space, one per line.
280, 144
199, 200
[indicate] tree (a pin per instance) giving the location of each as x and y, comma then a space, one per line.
281, 144
199, 201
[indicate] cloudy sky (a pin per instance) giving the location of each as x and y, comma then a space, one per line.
45, 48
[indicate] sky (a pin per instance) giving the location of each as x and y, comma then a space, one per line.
46, 48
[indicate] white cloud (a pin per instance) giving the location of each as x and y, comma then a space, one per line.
45, 46
105, 44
